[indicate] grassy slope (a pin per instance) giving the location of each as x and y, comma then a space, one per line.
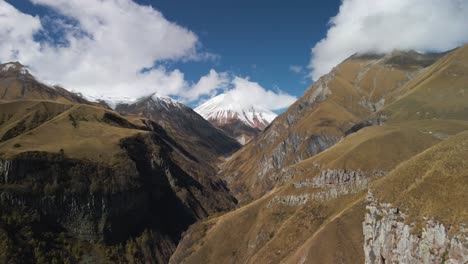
339, 241
439, 92
79, 130
14, 86
354, 87
425, 158
382, 147
432, 184
323, 231
94, 135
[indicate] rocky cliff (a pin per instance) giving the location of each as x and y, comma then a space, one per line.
390, 239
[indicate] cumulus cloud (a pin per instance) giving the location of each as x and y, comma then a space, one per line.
108, 48
243, 93
16, 32
209, 84
115, 49
246, 93
385, 25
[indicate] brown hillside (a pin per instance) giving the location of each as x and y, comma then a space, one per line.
317, 207
355, 89
326, 227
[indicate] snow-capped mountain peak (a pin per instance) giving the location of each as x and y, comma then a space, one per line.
154, 99
13, 67
221, 111
165, 101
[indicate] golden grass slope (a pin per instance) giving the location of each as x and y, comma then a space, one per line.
432, 184
355, 89
439, 92
319, 231
80, 131
416, 161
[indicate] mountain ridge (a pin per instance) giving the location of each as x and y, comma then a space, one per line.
242, 122
390, 190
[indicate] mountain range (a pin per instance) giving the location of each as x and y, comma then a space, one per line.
368, 166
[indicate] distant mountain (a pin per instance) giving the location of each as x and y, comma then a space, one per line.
241, 122
183, 124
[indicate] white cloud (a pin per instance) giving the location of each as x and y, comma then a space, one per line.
384, 25
251, 93
243, 93
295, 68
16, 31
106, 48
209, 84
107, 44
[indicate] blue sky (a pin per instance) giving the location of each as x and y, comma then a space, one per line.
260, 39
256, 39
259, 52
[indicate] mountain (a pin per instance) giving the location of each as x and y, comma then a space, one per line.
82, 183
335, 105
17, 83
183, 124
241, 122
388, 187
369, 166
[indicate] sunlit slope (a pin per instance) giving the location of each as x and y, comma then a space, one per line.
348, 95
16, 83
439, 92
79, 131
432, 184
83, 182
316, 216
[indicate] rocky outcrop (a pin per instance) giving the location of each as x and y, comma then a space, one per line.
271, 168
337, 177
331, 184
389, 239
289, 200
4, 170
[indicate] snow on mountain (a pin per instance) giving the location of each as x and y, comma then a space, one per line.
221, 111
14, 67
166, 102
8, 66
113, 102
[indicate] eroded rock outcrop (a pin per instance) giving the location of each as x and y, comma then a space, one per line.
332, 183
389, 239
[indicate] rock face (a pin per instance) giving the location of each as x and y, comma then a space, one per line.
331, 184
239, 121
337, 177
388, 239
